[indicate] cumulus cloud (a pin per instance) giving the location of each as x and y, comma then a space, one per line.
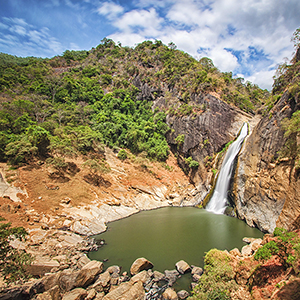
110, 10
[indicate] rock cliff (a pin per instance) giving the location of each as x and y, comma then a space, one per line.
267, 186
204, 132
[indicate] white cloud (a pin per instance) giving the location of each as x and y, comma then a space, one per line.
110, 10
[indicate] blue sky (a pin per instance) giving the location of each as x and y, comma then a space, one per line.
247, 37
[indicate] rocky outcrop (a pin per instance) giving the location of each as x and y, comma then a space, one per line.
205, 132
266, 187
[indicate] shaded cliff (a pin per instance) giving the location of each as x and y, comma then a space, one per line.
267, 184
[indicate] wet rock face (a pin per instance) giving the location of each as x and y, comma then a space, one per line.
265, 188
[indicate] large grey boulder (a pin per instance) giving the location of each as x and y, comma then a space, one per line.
139, 265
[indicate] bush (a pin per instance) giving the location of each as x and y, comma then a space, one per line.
12, 261
218, 279
122, 154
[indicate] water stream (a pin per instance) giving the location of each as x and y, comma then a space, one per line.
218, 201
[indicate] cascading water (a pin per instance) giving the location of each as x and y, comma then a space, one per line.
218, 201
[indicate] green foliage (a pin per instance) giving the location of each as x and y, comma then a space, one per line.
46, 112
20, 151
122, 154
12, 262
180, 139
96, 167
286, 246
218, 279
266, 251
291, 147
192, 163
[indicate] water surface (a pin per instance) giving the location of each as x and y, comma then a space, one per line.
166, 235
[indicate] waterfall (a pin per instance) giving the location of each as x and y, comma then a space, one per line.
218, 201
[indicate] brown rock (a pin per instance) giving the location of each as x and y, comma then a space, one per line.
182, 267
139, 265
142, 276
183, 294
169, 294
41, 266
127, 291
76, 294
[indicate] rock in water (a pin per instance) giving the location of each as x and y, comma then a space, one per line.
182, 267
139, 265
169, 294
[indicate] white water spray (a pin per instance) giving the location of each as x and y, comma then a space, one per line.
218, 201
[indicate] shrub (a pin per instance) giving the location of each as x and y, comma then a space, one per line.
122, 154
12, 261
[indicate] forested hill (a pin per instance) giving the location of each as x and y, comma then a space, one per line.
76, 103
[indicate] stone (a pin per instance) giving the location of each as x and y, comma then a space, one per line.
127, 291
139, 265
171, 276
255, 244
183, 294
197, 271
41, 266
235, 252
43, 296
182, 267
91, 294
158, 276
55, 293
142, 276
169, 294
88, 273
102, 282
113, 269
82, 261
76, 294
246, 250
67, 280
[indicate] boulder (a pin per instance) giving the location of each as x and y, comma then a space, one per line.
88, 273
169, 294
157, 276
102, 282
91, 294
235, 252
183, 294
41, 266
76, 294
247, 250
171, 276
82, 261
197, 270
182, 267
113, 269
127, 291
43, 296
139, 265
142, 276
67, 279
196, 273
255, 244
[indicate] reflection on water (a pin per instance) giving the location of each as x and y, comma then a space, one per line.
167, 235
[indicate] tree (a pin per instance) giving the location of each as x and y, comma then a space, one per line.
12, 261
